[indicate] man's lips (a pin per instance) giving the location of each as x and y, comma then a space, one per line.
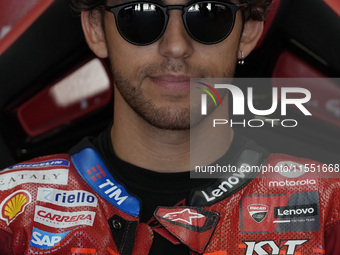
172, 82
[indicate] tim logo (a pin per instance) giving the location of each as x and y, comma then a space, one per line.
204, 97
105, 185
96, 173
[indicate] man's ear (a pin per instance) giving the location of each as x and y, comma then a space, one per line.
252, 32
94, 32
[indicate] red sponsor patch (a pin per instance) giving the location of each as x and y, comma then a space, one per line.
193, 226
186, 216
258, 212
280, 213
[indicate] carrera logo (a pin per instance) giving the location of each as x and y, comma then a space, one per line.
296, 211
258, 212
67, 198
14, 205
269, 247
13, 179
46, 240
292, 183
186, 216
59, 219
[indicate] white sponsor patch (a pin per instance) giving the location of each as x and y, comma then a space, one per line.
290, 169
53, 176
4, 31
59, 219
292, 183
67, 198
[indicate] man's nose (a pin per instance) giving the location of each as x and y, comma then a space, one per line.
176, 42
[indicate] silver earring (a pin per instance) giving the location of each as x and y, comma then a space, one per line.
241, 60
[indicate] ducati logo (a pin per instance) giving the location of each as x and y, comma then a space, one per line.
258, 212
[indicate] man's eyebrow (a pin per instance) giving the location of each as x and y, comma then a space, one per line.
160, 2
118, 2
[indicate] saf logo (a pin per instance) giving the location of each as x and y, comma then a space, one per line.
46, 240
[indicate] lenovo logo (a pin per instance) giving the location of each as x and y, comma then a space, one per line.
296, 211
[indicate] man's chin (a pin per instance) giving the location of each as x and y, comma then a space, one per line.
179, 122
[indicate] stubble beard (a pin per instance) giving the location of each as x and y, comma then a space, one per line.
166, 118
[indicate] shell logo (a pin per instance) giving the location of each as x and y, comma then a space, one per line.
14, 204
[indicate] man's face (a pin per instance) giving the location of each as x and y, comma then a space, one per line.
154, 80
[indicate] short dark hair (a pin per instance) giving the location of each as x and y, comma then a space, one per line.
86, 5
256, 10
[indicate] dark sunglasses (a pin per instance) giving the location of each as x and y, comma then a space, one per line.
143, 23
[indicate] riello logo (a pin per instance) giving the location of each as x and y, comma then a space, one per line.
239, 99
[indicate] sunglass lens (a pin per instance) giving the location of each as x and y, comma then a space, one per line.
209, 22
141, 23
